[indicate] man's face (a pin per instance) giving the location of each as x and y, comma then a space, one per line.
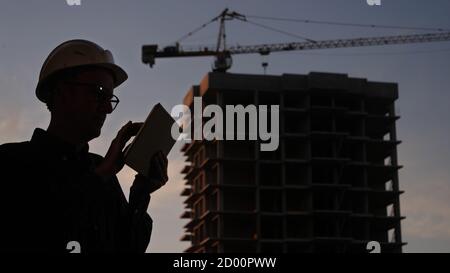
86, 101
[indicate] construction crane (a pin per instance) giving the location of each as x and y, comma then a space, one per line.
223, 54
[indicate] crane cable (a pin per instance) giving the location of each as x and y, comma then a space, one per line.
367, 54
277, 30
196, 30
306, 21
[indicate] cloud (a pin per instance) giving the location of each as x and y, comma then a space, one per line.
17, 124
165, 208
20, 111
9, 126
426, 207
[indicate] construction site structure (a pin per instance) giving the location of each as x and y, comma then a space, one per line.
331, 186
223, 53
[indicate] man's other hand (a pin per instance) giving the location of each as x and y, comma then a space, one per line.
114, 159
157, 173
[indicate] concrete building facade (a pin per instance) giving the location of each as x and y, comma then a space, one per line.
331, 186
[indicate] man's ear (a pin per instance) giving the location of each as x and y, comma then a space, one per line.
60, 98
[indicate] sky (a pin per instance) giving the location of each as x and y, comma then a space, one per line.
29, 30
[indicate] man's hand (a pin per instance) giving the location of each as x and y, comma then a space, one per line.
143, 186
114, 158
157, 172
156, 177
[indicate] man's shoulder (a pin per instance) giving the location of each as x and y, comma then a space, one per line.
11, 154
14, 147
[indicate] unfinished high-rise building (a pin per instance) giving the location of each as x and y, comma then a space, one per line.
331, 186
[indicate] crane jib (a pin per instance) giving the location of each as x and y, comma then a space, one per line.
342, 43
150, 52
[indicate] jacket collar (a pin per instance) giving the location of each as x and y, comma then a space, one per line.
55, 145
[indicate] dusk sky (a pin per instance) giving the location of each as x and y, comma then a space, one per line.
29, 30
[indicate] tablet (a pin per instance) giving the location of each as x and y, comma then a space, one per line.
154, 135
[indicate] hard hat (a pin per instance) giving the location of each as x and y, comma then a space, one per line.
75, 54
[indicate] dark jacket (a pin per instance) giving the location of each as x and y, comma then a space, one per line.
50, 195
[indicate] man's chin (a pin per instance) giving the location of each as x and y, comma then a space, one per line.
94, 133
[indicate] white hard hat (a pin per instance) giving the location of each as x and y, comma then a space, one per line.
74, 54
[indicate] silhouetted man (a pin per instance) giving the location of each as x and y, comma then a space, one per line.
53, 191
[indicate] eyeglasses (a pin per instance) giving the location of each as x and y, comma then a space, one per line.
103, 94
